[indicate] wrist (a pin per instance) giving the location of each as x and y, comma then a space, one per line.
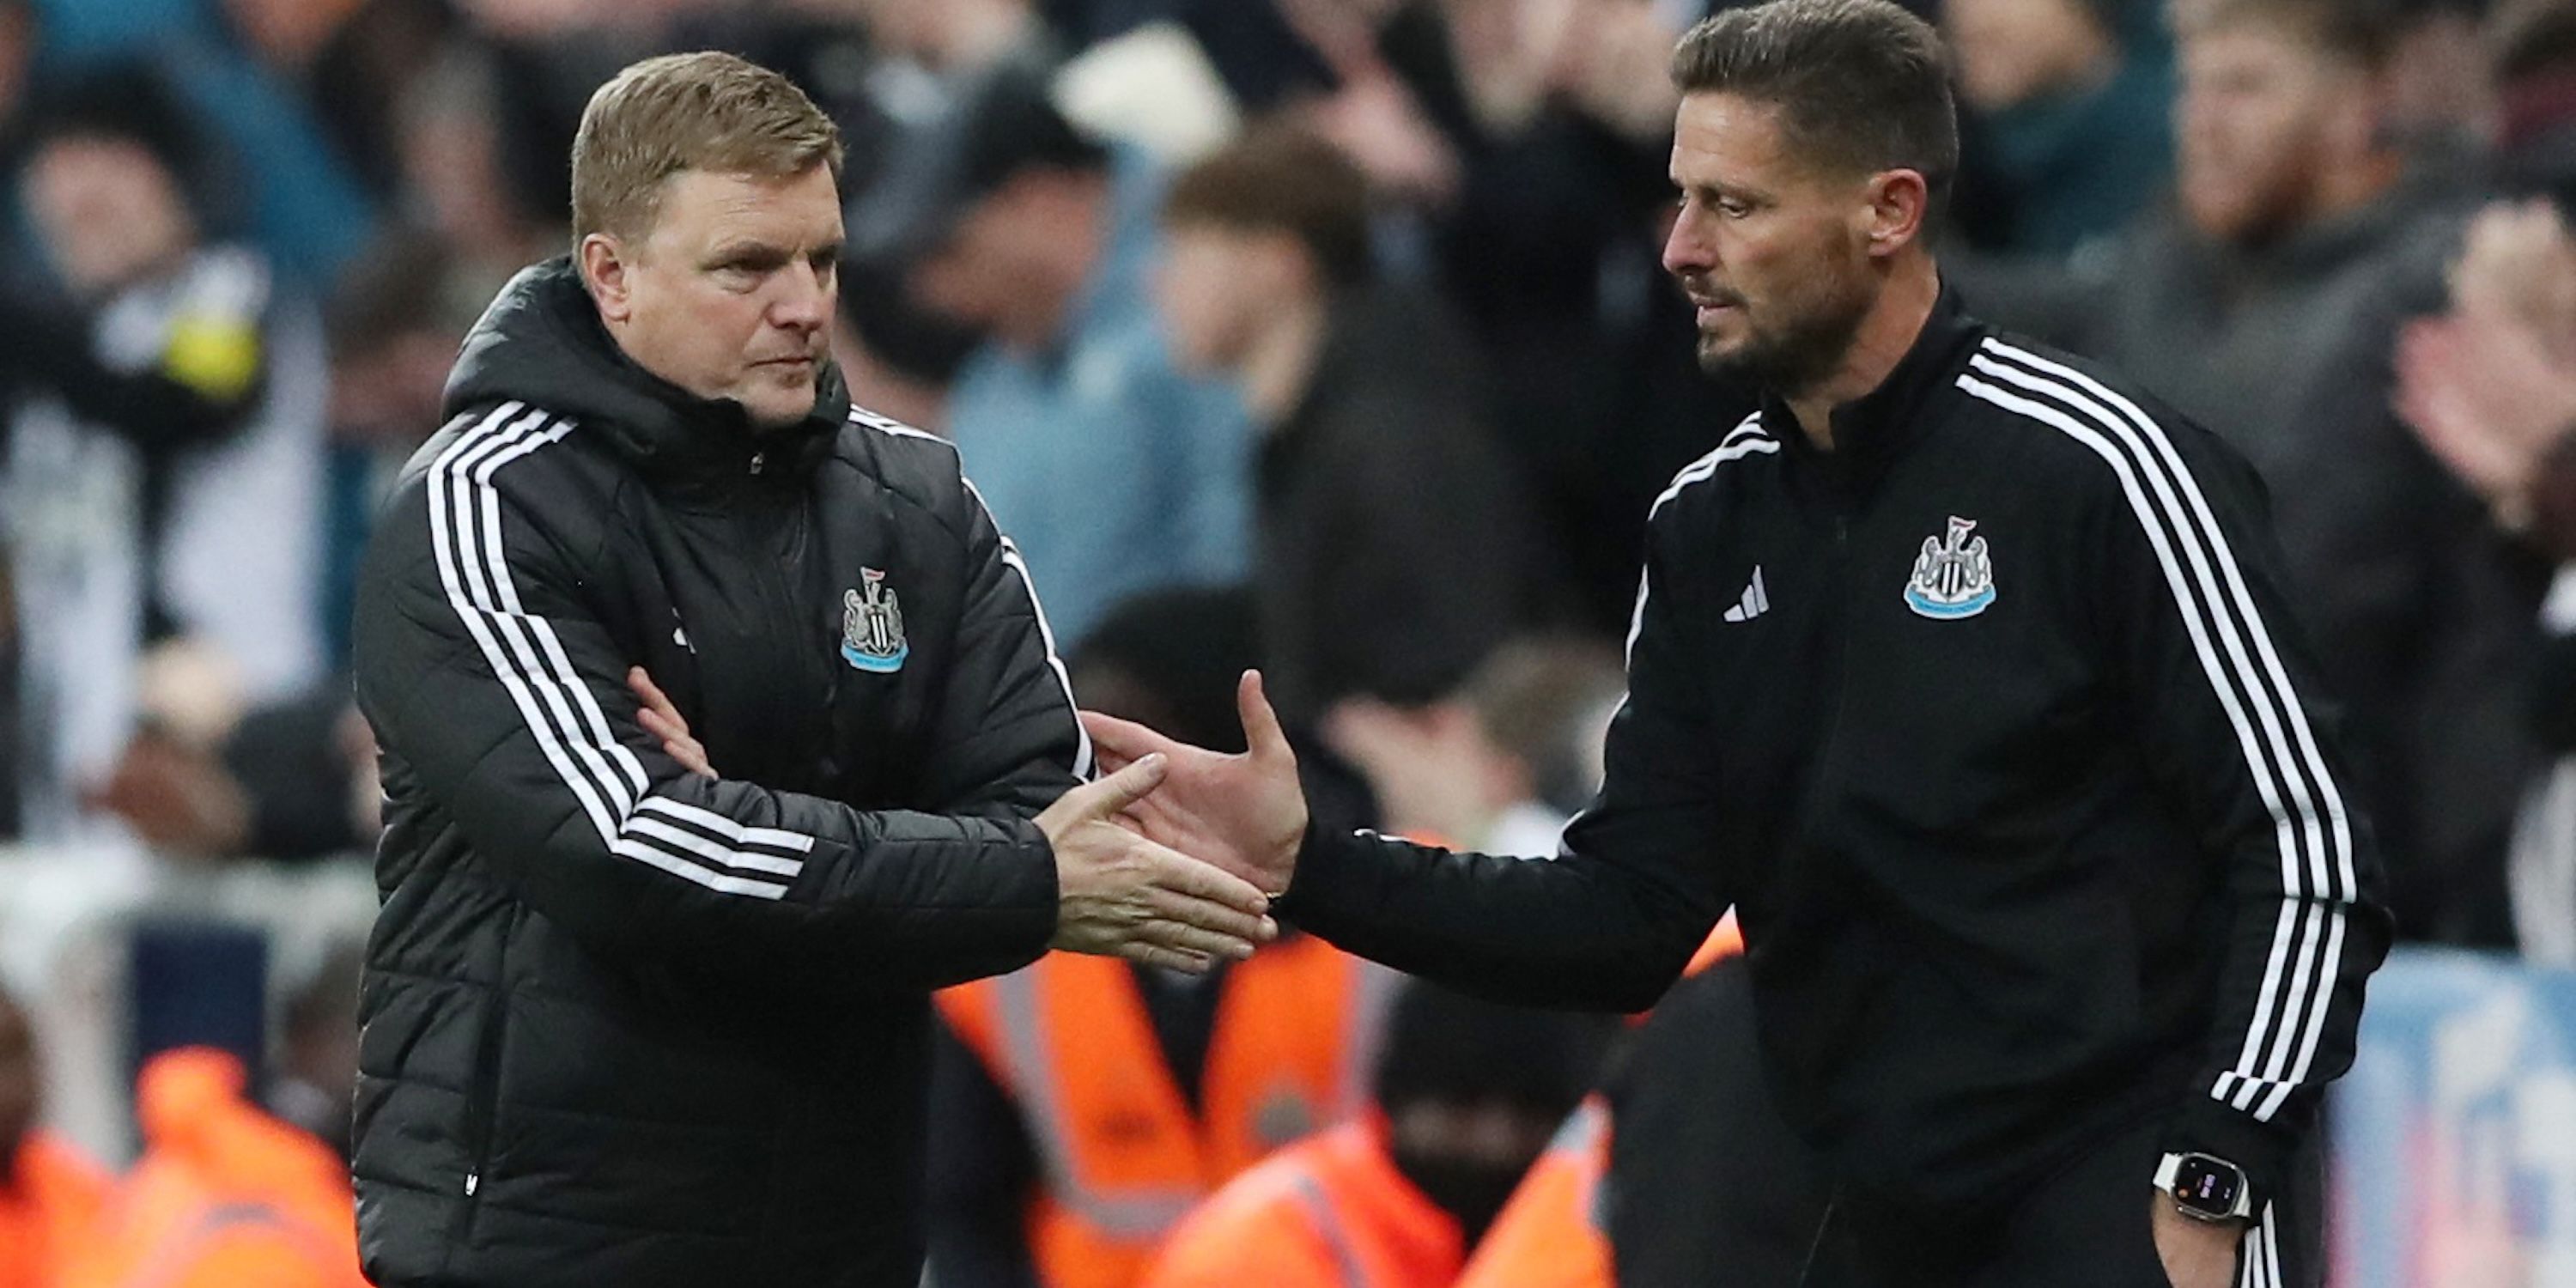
2205, 1188
2262, 1150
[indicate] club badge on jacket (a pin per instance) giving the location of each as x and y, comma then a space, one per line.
872, 626
1953, 578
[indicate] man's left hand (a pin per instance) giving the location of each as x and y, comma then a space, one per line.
2196, 1254
662, 720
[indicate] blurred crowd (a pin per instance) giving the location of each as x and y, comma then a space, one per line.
1328, 336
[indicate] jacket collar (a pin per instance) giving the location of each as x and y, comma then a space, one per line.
541, 342
1870, 430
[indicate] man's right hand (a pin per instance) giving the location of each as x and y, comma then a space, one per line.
1121, 895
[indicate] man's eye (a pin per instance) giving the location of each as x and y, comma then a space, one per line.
1733, 209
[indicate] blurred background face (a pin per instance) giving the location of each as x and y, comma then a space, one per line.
1767, 245
2259, 115
1468, 1155
2012, 51
109, 212
732, 293
1014, 258
1215, 284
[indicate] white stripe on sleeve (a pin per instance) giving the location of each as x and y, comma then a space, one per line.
2289, 773
561, 712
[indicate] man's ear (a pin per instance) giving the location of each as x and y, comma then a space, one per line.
605, 268
1899, 202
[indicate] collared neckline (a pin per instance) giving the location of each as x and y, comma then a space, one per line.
1871, 429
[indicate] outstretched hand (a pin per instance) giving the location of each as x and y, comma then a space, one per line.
1246, 814
1121, 895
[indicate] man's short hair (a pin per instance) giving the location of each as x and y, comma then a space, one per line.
2362, 33
1861, 85
1285, 180
702, 111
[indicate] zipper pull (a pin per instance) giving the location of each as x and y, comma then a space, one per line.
758, 459
473, 1182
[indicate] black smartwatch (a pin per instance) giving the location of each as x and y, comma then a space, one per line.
2205, 1188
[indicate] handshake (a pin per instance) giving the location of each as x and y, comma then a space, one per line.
1172, 859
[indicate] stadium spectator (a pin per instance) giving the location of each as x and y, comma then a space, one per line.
1393, 547
2077, 127
285, 191
1468, 1095
1094, 1102
1115, 474
1526, 141
50, 1194
224, 1195
1498, 764
2491, 386
120, 545
960, 37
1549, 1235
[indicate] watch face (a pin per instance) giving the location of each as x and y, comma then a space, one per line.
2207, 1185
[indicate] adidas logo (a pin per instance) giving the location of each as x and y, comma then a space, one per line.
1755, 603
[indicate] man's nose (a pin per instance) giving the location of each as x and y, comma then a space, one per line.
1685, 250
804, 298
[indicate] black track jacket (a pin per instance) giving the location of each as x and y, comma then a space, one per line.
1992, 725
625, 1025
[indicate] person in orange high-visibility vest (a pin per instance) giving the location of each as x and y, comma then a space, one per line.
1468, 1093
1550, 1235
49, 1192
1553, 1233
1124, 1133
225, 1197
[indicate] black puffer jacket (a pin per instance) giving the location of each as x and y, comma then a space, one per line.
625, 1025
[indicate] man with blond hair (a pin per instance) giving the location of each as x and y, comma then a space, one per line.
720, 725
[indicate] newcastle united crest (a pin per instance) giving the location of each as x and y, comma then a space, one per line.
1953, 578
872, 626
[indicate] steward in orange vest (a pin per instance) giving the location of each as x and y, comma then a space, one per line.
1124, 1097
225, 1197
1553, 1234
1468, 1092
1330, 1211
49, 1193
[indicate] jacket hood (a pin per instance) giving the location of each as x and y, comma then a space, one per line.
541, 343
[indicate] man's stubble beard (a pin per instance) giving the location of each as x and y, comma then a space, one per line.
1794, 357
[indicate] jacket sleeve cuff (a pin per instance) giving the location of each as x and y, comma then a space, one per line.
2261, 1149
1331, 874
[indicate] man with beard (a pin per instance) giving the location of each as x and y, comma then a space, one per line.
1960, 670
